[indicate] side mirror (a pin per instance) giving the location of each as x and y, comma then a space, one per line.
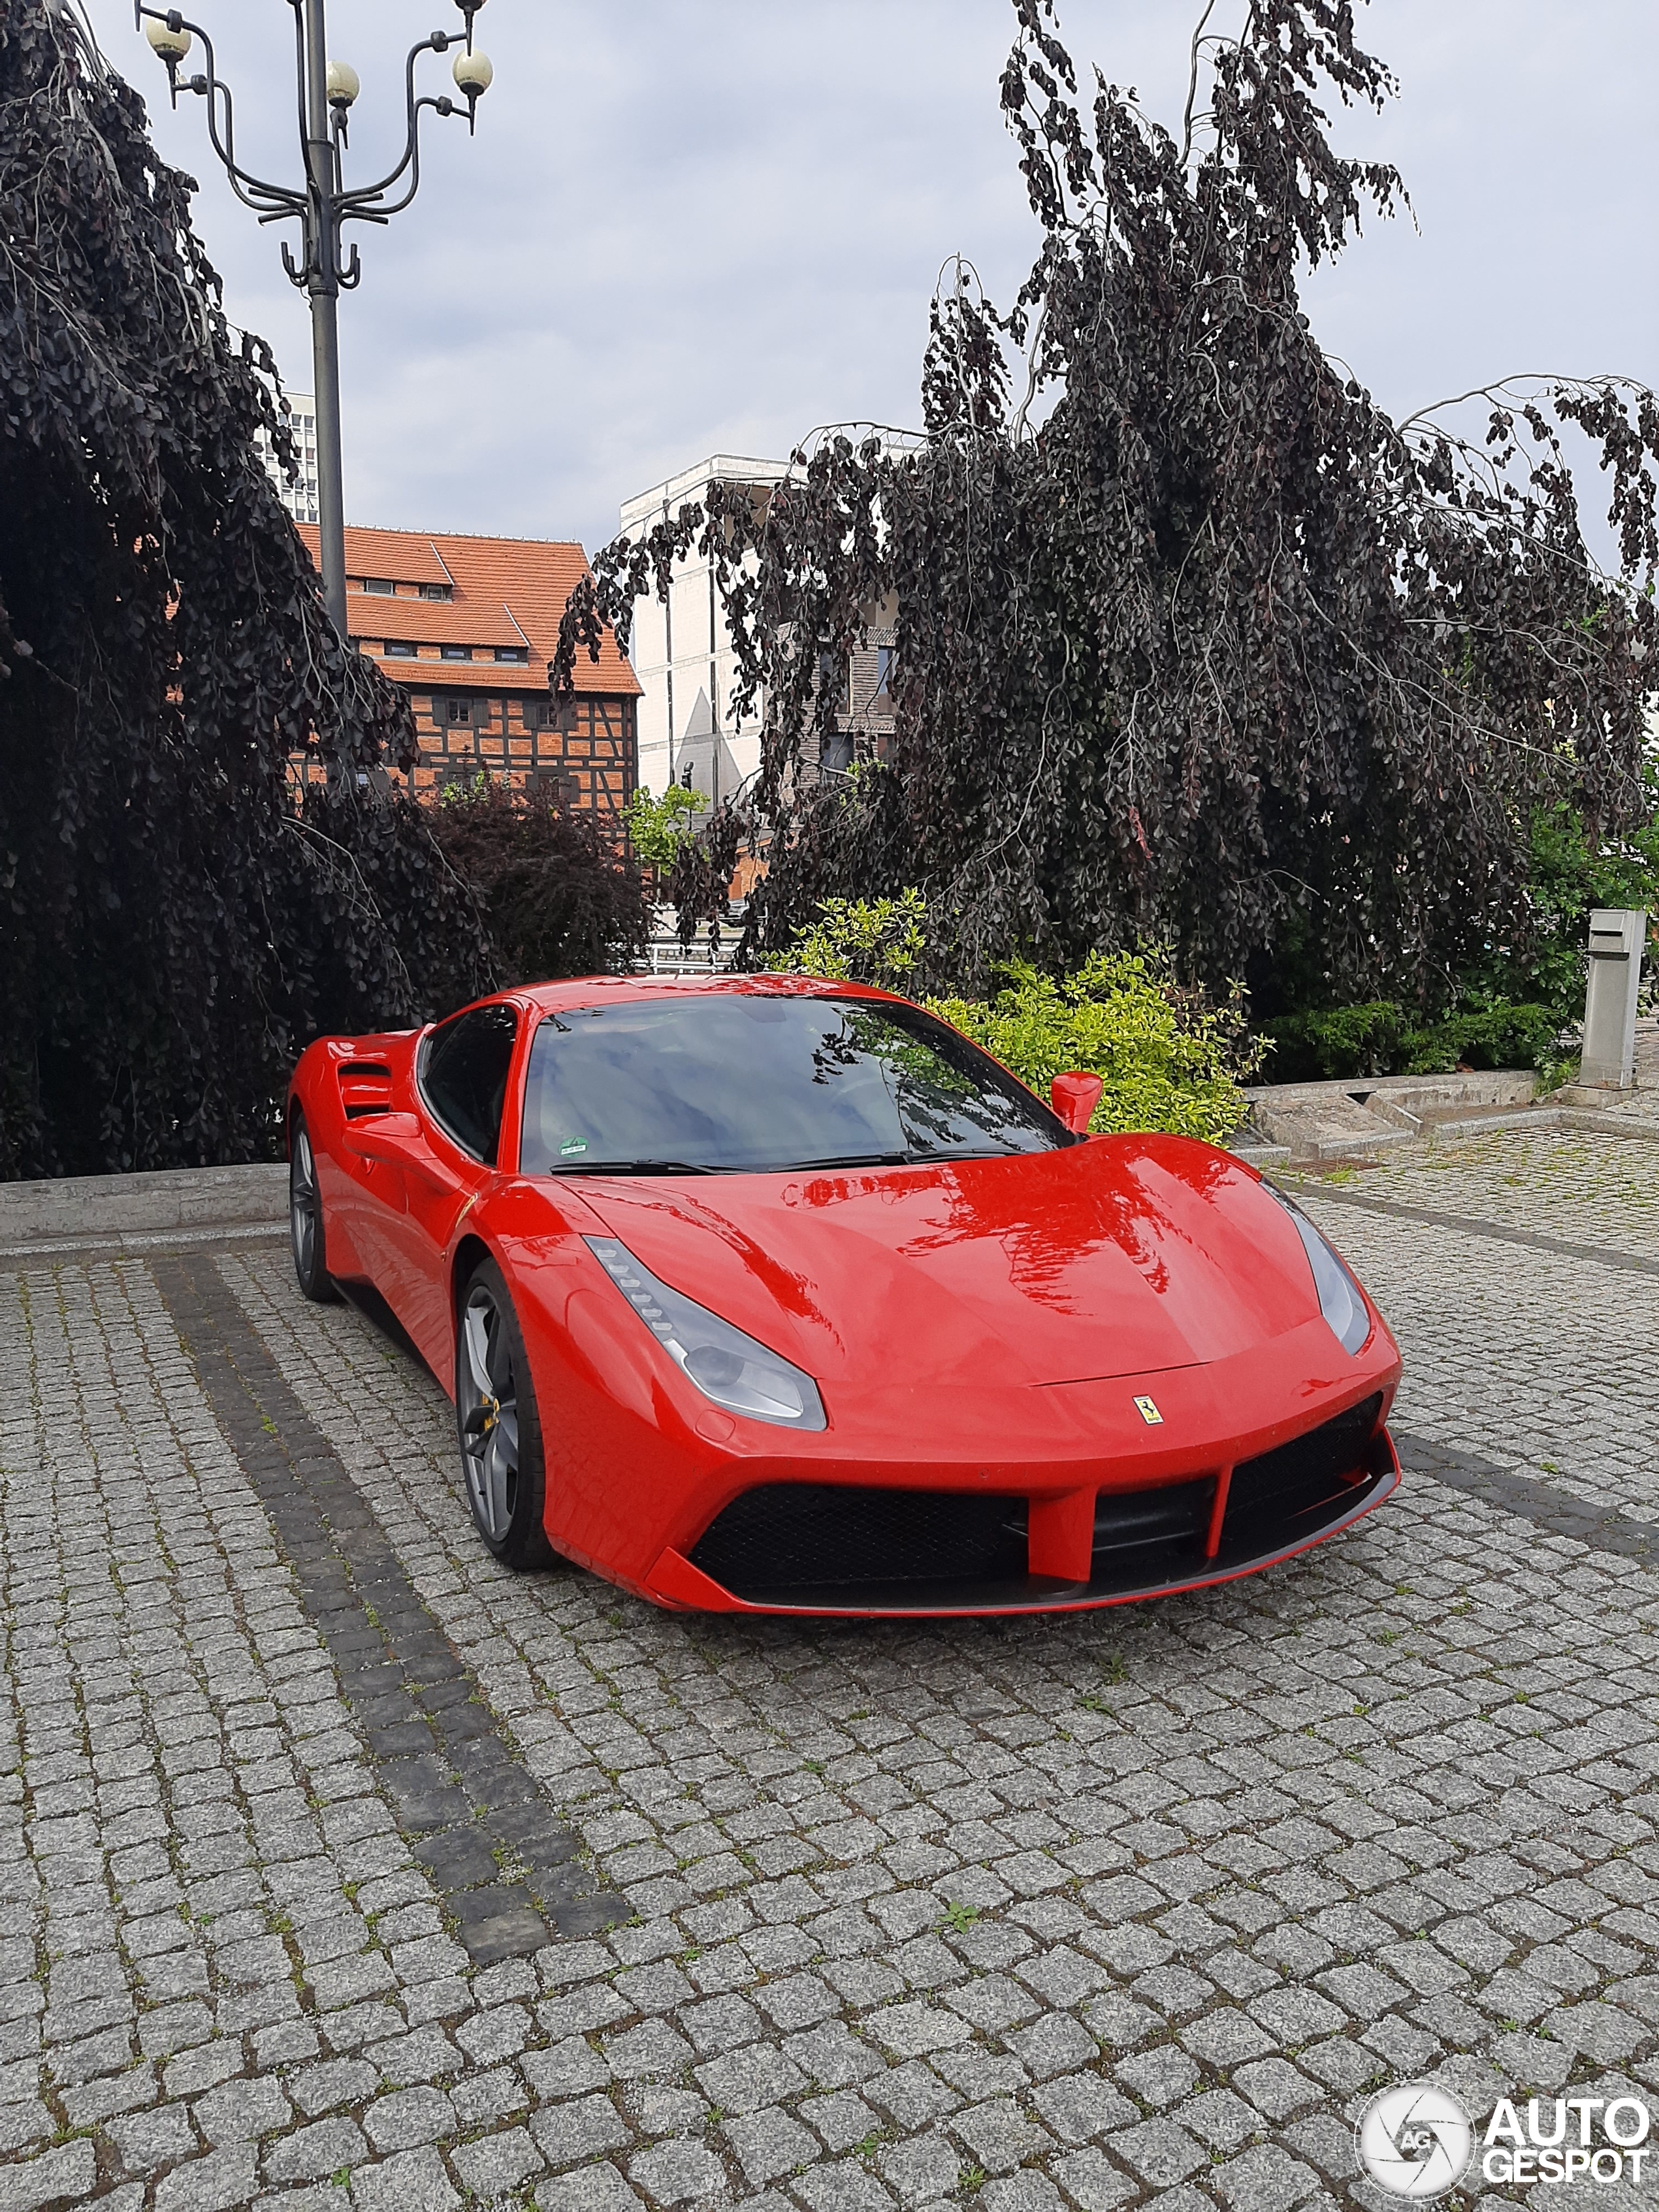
1075, 1099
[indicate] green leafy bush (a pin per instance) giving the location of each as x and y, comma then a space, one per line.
1168, 1058
876, 941
658, 827
1345, 1041
1487, 1037
1379, 1038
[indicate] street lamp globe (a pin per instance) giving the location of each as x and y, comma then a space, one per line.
343, 84
473, 72
171, 43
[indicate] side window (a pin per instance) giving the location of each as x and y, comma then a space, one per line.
464, 1076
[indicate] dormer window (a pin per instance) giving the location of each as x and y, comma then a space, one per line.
517, 656
455, 652
380, 586
399, 648
437, 591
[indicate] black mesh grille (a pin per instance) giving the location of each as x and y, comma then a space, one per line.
1274, 1497
824, 1546
810, 1538
1129, 1524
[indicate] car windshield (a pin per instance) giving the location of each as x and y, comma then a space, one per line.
764, 1082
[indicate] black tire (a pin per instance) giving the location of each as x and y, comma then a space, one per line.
307, 1235
497, 1425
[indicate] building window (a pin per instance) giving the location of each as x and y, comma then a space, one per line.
518, 655
883, 670
437, 592
458, 711
380, 587
455, 652
399, 648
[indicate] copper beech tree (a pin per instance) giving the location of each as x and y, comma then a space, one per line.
175, 922
1194, 641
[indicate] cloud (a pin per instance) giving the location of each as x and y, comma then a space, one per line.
691, 225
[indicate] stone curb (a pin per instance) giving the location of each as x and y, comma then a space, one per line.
106, 1210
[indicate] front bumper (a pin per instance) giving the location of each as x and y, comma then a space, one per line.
800, 1547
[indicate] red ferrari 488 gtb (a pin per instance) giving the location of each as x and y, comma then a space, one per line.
766, 1294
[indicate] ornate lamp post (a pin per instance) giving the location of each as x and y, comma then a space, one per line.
322, 206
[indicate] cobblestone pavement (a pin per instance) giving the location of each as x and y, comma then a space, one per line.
1129, 1907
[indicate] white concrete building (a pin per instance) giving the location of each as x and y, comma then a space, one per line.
682, 651
300, 499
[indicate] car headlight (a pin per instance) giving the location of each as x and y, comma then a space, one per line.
726, 1365
1341, 1299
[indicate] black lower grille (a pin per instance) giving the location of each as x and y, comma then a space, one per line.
1296, 1486
1129, 1523
831, 1546
796, 1542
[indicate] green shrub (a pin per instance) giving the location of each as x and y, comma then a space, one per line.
1379, 1039
1490, 1036
1167, 1061
876, 941
658, 827
1347, 1041
1167, 1058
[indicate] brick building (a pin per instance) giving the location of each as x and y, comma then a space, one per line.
467, 626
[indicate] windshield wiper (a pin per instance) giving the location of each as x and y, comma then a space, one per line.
857, 1160
635, 1167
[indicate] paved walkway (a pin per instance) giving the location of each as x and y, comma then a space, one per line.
340, 1868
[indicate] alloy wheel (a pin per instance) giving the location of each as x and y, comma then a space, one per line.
489, 1414
302, 1206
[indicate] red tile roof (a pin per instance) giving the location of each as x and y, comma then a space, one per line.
507, 590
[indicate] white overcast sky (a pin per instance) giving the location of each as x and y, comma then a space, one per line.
696, 225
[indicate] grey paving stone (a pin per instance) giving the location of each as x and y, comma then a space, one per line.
412, 2181
578, 2128
999, 2135
768, 2144
921, 2170
494, 2164
1055, 2044
1161, 2153
1264, 2179
146, 2141
1079, 2106
1029, 2192
310, 2154
743, 2081
238, 2111
598, 2188
65, 2175
336, 2081
408, 2119
214, 2183
844, 2186
677, 2172
1090, 2178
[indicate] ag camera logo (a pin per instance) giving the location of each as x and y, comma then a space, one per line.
1415, 2141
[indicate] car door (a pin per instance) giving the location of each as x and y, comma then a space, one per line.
448, 1158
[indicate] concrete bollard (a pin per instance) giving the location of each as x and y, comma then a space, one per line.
1617, 935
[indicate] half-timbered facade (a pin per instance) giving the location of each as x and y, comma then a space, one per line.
467, 626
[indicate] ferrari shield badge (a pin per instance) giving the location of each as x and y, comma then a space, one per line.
1147, 1409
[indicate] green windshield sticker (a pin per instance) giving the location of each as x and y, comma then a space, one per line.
572, 1146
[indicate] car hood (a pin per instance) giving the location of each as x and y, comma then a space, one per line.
1123, 1256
